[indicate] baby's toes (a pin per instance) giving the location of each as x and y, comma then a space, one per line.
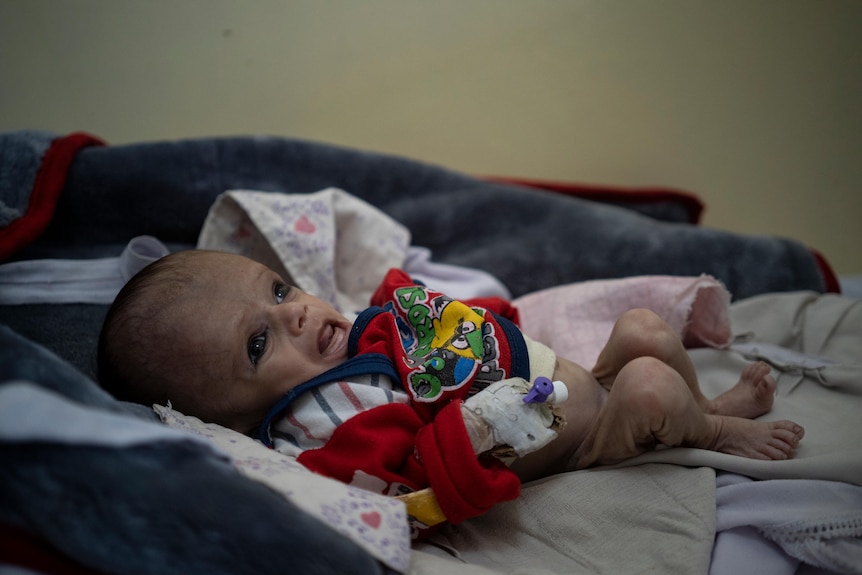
786, 436
797, 430
777, 450
756, 370
765, 386
753, 374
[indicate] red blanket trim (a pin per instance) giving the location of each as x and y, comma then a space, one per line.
31, 552
829, 277
692, 202
46, 191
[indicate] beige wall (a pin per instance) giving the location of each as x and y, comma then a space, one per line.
755, 105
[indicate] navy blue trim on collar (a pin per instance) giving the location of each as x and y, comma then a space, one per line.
359, 325
517, 347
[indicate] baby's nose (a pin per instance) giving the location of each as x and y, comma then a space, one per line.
294, 316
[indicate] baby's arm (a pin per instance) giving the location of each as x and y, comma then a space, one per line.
499, 417
393, 444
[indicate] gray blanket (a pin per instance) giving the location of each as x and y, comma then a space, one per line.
529, 238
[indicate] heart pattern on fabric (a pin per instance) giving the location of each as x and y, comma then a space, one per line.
372, 519
304, 226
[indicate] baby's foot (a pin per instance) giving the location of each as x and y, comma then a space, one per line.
757, 439
751, 397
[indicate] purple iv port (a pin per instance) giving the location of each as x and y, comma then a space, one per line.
542, 388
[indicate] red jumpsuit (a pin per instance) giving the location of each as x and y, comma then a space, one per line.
442, 351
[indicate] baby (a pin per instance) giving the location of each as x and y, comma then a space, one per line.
225, 339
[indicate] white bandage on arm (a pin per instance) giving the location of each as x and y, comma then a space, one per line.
489, 420
481, 435
497, 416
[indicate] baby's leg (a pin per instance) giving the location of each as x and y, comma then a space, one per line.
650, 403
642, 333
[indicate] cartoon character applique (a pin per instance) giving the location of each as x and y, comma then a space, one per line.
448, 348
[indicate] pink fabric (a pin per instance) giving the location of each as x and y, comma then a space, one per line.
575, 320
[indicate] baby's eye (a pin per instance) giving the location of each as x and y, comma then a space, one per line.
281, 291
256, 348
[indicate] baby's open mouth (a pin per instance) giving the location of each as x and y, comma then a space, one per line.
331, 340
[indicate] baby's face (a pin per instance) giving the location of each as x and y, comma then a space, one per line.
258, 336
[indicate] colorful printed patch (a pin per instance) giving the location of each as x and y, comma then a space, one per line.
446, 342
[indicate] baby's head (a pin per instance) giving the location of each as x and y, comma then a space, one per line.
220, 336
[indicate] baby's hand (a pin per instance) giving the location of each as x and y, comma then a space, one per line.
525, 427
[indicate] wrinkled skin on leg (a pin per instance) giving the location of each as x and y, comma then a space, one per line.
643, 391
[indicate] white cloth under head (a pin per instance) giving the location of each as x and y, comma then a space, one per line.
327, 243
330, 244
94, 281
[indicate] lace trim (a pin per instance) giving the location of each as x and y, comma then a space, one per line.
848, 526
